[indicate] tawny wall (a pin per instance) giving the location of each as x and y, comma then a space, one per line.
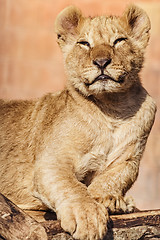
31, 65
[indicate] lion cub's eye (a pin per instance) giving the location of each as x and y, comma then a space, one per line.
85, 43
119, 40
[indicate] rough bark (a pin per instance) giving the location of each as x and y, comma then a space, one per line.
16, 224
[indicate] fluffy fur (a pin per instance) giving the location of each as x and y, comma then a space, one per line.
78, 151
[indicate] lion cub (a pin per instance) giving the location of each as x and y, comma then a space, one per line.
78, 151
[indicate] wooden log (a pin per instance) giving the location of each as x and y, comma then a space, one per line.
15, 224
134, 226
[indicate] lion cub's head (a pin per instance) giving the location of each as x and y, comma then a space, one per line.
102, 54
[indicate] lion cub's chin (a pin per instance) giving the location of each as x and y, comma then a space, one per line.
99, 87
106, 86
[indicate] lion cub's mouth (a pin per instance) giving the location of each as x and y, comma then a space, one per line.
105, 77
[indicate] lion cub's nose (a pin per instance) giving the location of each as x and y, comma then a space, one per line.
102, 63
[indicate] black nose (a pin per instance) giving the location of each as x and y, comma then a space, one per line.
102, 63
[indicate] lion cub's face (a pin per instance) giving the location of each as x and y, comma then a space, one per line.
102, 54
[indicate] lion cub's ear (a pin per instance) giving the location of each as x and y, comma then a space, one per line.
138, 24
68, 23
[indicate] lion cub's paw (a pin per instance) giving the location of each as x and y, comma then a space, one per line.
85, 219
118, 204
131, 207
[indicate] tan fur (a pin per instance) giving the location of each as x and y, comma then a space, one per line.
78, 151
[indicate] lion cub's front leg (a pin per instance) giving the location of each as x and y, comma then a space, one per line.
58, 188
121, 169
109, 188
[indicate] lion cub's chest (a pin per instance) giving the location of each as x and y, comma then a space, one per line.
102, 136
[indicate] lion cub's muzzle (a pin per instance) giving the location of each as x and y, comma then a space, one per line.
101, 65
102, 57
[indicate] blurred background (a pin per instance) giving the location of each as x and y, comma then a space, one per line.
31, 65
